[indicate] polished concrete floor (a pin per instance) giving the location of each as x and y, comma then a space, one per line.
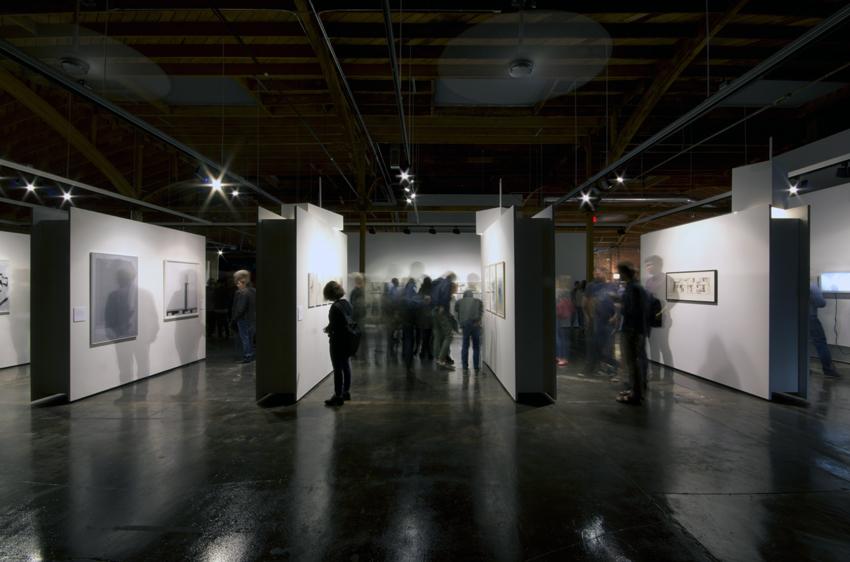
436, 466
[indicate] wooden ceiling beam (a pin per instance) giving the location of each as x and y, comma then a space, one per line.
63, 127
667, 75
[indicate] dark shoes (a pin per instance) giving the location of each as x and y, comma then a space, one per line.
335, 401
628, 398
346, 396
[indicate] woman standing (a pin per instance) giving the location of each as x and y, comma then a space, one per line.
337, 329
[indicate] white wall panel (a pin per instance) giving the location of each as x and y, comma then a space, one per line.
729, 342
15, 326
321, 249
390, 254
499, 342
570, 255
160, 345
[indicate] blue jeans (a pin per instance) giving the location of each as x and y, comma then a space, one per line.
818, 338
471, 331
246, 335
563, 342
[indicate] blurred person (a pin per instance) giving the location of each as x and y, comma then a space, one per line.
358, 305
408, 308
816, 333
389, 312
425, 320
564, 312
470, 311
245, 313
600, 317
635, 327
340, 318
441, 298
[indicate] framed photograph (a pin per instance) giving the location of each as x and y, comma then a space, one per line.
114, 298
181, 286
692, 286
499, 289
5, 286
314, 297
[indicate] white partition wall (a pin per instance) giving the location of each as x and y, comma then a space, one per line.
155, 342
519, 336
302, 246
389, 254
496, 227
730, 342
14, 299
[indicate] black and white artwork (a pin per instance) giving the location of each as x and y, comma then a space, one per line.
181, 289
692, 286
5, 286
114, 298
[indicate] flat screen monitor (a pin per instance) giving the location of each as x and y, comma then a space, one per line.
835, 282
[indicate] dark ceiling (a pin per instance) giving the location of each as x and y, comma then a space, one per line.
254, 86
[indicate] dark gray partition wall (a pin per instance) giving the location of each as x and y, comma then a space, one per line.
276, 312
50, 281
536, 378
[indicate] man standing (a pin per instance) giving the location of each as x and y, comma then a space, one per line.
634, 330
816, 332
441, 298
469, 312
245, 313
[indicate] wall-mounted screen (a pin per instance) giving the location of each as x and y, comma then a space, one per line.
835, 282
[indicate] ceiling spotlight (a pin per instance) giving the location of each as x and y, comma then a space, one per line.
66, 196
585, 198
456, 230
409, 200
236, 193
413, 196
520, 68
407, 189
406, 230
620, 179
405, 175
220, 253
216, 183
793, 189
30, 186
432, 230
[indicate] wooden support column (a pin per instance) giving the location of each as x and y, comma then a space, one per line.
364, 203
588, 246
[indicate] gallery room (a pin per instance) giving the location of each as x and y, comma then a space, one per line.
515, 280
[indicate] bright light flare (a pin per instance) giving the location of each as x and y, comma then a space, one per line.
216, 184
620, 179
793, 190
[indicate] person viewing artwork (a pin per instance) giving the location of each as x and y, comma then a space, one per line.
469, 312
634, 330
424, 320
816, 333
245, 313
343, 337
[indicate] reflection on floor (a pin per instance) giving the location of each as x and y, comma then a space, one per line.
438, 466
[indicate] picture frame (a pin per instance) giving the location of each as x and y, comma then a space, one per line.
698, 286
113, 298
5, 287
180, 289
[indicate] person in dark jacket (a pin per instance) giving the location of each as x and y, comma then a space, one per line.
340, 349
816, 333
441, 298
408, 308
424, 320
634, 329
245, 313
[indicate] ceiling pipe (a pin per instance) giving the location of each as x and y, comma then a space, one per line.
824, 27
379, 158
13, 53
608, 199
100, 191
694, 205
388, 23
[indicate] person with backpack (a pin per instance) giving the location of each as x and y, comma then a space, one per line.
635, 328
344, 336
441, 298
